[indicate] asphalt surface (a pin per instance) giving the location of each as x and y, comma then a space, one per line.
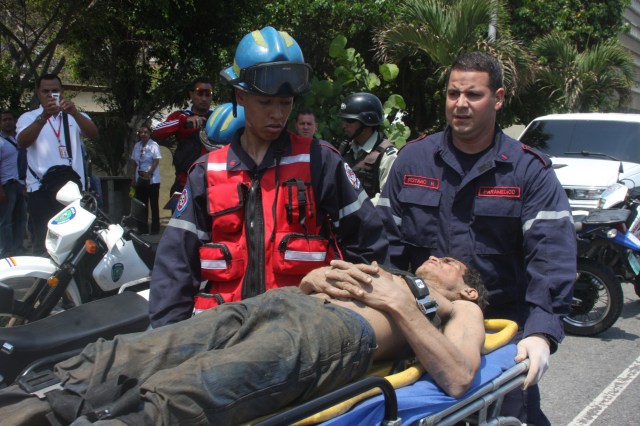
595, 380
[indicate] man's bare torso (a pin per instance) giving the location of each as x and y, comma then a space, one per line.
389, 338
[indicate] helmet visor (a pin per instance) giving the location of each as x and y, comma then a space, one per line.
276, 78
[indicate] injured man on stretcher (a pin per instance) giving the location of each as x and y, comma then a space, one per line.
243, 360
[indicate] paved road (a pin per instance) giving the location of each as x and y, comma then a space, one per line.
595, 380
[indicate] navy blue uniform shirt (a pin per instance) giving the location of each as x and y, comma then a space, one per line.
507, 216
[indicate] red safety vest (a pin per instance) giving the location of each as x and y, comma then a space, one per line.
293, 249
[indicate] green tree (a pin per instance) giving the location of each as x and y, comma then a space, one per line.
30, 33
145, 53
350, 74
584, 23
596, 79
428, 35
316, 23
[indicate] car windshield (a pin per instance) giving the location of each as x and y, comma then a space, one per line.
592, 138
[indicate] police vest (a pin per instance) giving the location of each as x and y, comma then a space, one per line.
241, 262
367, 166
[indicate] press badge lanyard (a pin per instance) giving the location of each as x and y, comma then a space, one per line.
62, 149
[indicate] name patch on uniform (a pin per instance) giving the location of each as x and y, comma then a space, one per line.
182, 202
425, 182
351, 175
499, 191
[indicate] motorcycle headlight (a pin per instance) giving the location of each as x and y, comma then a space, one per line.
586, 194
52, 239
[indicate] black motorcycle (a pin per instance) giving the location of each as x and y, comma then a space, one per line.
597, 295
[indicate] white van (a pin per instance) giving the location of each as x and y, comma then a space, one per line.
590, 151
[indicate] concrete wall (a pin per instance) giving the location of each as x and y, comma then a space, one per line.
632, 42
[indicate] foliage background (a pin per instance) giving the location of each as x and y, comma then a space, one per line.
142, 54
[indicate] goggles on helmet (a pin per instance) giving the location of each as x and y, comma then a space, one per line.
274, 78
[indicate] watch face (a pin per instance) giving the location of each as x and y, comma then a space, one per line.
418, 287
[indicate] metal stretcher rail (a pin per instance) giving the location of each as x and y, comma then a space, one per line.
482, 407
303, 411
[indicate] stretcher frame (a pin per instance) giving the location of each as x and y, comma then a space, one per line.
483, 406
480, 406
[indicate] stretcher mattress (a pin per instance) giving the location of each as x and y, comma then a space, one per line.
424, 397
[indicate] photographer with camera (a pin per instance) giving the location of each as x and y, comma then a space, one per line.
52, 135
185, 125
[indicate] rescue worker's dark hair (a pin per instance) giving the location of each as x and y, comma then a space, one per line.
47, 77
305, 111
483, 62
473, 279
203, 80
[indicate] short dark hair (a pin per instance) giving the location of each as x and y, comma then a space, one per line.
197, 80
483, 62
305, 111
473, 279
47, 77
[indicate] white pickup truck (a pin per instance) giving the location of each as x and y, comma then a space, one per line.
590, 151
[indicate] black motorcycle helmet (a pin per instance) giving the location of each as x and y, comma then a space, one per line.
364, 107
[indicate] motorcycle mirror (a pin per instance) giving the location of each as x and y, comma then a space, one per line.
69, 193
6, 298
138, 210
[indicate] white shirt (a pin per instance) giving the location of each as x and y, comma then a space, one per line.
144, 156
49, 149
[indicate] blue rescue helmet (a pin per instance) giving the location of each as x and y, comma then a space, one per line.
269, 63
222, 125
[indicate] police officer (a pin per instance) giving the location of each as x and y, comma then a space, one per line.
475, 194
367, 150
269, 207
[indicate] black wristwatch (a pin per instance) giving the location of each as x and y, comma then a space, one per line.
420, 291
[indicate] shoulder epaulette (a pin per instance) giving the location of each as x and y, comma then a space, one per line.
422, 137
543, 159
322, 142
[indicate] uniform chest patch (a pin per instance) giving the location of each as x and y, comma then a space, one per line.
499, 191
182, 202
351, 175
425, 182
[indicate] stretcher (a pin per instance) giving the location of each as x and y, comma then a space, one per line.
420, 401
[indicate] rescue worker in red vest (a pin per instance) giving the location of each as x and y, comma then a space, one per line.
269, 207
367, 150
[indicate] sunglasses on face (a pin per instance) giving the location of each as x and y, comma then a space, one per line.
349, 120
203, 92
276, 78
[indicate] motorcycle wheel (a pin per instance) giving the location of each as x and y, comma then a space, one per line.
23, 286
597, 300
